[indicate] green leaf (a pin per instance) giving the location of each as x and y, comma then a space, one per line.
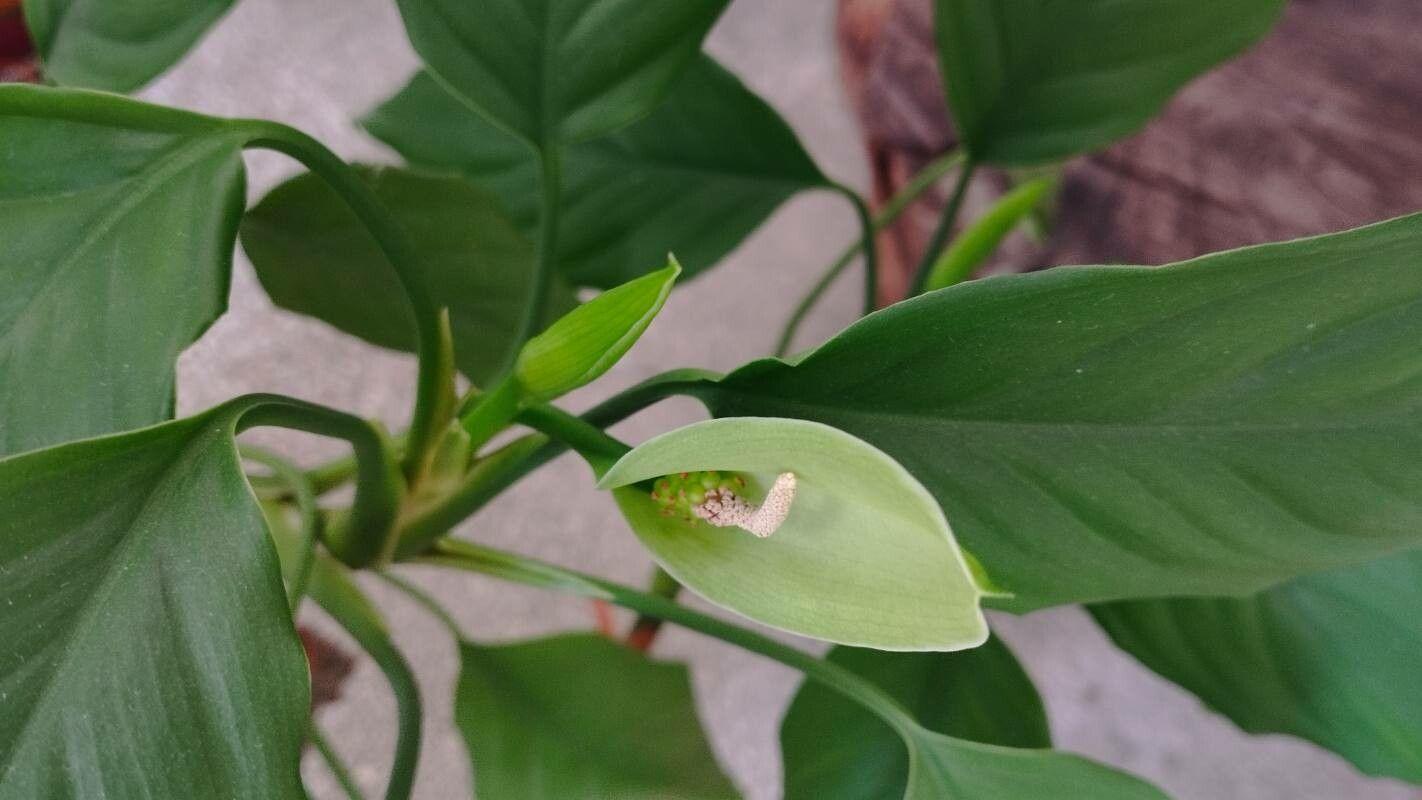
864, 558
146, 648
117, 45
944, 768
558, 71
979, 240
586, 342
578, 716
1207, 428
1031, 81
117, 251
1330, 657
834, 749
697, 176
313, 256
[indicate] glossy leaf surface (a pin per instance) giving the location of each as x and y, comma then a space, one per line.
1031, 81
696, 177
1330, 657
836, 750
117, 45
864, 558
1207, 428
559, 71
578, 716
313, 256
146, 649
585, 343
117, 251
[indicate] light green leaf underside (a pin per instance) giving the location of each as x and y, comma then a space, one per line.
1330, 657
314, 257
836, 750
558, 71
146, 649
864, 558
117, 45
117, 251
578, 716
1032, 81
695, 177
585, 343
1207, 428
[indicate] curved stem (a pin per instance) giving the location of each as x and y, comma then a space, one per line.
304, 497
944, 229
425, 601
550, 166
366, 534
866, 246
596, 447
333, 762
507, 566
893, 208
434, 399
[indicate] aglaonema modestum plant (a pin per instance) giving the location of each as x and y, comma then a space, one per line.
1219, 456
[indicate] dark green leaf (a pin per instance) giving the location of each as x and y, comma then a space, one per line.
314, 257
695, 177
944, 768
559, 71
578, 716
1038, 80
1212, 427
146, 648
834, 749
1330, 657
117, 250
117, 45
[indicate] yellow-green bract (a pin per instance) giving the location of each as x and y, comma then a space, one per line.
865, 557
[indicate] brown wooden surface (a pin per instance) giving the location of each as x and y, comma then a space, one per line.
1316, 129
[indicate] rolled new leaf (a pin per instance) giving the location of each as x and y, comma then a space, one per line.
586, 342
864, 556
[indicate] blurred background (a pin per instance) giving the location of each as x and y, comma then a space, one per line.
1314, 130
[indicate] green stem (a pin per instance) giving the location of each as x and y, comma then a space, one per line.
490, 412
366, 534
550, 164
510, 567
424, 600
305, 500
944, 229
434, 400
866, 246
896, 205
503, 468
333, 762
645, 628
599, 449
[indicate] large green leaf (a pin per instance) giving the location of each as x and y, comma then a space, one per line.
117, 250
578, 716
696, 176
864, 557
1211, 427
146, 648
834, 749
1031, 81
313, 256
1330, 657
559, 71
117, 45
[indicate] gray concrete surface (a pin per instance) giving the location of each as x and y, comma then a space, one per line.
319, 63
